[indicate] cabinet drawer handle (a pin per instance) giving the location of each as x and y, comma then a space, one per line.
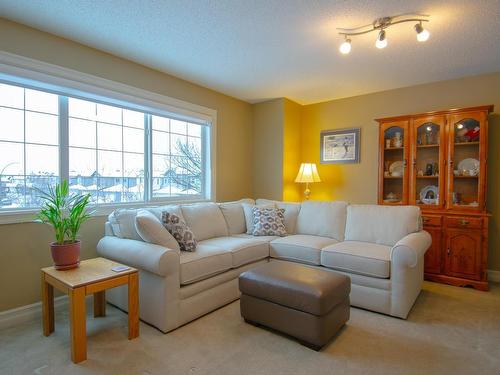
448, 251
426, 219
464, 222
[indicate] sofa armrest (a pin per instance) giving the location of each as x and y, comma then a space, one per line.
409, 249
142, 255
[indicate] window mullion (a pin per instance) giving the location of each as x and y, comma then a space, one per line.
24, 146
63, 138
148, 156
206, 161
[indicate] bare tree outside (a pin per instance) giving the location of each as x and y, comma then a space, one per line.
187, 167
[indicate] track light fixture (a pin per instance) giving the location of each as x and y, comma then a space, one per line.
380, 25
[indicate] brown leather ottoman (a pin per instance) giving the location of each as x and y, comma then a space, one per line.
307, 303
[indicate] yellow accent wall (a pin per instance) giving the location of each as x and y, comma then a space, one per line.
24, 247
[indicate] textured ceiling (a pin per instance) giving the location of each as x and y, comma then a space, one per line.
261, 49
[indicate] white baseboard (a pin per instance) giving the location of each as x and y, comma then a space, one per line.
28, 313
494, 276
33, 312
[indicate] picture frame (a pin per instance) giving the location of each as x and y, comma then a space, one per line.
340, 146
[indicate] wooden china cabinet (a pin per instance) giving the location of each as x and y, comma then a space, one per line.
438, 161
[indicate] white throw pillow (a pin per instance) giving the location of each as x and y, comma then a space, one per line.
152, 230
247, 209
123, 223
122, 220
234, 215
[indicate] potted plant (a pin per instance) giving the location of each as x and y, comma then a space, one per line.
66, 213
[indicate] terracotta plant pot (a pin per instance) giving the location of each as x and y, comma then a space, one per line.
65, 256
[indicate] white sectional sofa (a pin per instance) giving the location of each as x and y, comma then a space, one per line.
381, 248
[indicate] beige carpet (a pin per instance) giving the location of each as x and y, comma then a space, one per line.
450, 331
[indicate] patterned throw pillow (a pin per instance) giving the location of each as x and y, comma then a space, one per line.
179, 230
268, 221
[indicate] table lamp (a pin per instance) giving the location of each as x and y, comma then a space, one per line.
307, 174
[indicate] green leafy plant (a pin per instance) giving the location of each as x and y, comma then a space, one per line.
65, 212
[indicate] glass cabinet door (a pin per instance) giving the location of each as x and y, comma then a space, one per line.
394, 155
428, 169
467, 161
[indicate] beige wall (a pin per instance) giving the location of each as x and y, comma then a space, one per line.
24, 250
292, 155
23, 247
268, 149
277, 146
358, 182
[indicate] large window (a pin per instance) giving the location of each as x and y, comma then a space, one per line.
117, 154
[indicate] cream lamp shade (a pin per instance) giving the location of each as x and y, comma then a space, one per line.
308, 173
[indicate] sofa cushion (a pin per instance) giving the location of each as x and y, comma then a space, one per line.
123, 223
300, 248
205, 220
152, 230
205, 262
268, 221
260, 238
170, 208
383, 225
247, 210
326, 219
363, 258
235, 216
243, 250
291, 212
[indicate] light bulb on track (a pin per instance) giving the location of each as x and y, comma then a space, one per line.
345, 47
381, 40
422, 34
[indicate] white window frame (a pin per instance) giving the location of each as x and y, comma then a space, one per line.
39, 75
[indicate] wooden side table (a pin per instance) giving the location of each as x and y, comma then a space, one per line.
93, 276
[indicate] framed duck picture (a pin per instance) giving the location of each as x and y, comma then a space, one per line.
340, 146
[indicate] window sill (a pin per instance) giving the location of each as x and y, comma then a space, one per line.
28, 215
